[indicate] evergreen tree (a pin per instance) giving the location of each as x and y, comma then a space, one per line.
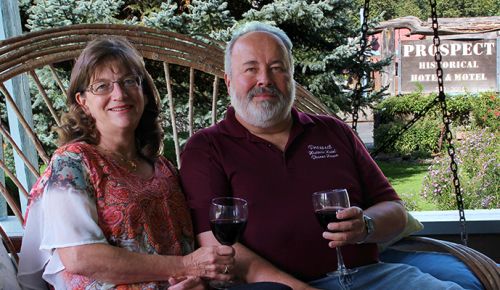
208, 17
391, 9
198, 18
325, 34
326, 42
168, 18
52, 13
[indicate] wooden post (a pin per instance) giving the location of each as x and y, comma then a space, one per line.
10, 26
388, 50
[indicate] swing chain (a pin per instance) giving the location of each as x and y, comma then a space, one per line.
447, 121
358, 90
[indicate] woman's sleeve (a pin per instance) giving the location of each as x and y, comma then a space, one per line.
64, 215
69, 205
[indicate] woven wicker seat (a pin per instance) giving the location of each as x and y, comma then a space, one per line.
201, 62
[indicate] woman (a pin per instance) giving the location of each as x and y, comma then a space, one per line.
108, 212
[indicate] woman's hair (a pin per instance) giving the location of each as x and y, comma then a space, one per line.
78, 126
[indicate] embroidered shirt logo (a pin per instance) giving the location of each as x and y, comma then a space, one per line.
321, 151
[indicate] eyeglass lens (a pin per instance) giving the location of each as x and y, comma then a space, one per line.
106, 86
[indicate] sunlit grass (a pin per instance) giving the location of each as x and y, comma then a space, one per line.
406, 178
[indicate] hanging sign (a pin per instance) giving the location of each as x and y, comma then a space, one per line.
468, 65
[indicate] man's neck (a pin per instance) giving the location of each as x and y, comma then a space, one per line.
276, 134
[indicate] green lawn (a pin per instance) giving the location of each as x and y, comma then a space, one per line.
406, 178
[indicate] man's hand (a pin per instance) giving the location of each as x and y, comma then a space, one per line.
389, 218
350, 230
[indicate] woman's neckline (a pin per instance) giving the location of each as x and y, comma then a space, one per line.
125, 165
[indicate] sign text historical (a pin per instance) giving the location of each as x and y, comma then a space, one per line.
468, 65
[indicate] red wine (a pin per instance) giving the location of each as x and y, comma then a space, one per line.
227, 232
327, 215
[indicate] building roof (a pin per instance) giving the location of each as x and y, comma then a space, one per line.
447, 26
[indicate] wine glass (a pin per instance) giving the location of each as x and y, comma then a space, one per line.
326, 204
228, 219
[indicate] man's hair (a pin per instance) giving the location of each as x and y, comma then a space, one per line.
78, 126
256, 26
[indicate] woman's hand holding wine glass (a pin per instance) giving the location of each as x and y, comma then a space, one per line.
228, 219
210, 262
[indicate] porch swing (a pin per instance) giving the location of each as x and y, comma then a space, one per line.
485, 269
49, 53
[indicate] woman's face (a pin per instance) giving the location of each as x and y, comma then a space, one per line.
114, 99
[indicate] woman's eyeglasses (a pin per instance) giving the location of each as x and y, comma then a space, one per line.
104, 87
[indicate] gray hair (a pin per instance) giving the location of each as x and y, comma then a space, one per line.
255, 26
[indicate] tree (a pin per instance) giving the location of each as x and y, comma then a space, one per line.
390, 9
325, 33
198, 18
52, 13
467, 8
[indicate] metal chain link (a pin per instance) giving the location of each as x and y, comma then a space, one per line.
358, 89
447, 121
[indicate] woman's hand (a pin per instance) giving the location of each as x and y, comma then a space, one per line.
186, 283
214, 262
350, 230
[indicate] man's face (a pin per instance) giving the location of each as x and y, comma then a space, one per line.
260, 84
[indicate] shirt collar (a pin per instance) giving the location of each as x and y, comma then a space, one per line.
232, 127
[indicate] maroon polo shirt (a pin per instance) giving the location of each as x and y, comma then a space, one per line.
321, 153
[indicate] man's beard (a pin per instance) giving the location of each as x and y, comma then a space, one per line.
265, 113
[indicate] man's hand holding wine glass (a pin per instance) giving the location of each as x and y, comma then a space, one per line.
350, 229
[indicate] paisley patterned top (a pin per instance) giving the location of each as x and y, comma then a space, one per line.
86, 197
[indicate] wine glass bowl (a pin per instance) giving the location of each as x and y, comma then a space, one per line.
228, 219
326, 204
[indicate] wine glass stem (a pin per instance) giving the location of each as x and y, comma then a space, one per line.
340, 261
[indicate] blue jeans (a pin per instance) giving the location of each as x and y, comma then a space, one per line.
387, 276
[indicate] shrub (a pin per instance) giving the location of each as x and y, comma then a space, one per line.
424, 137
478, 161
420, 140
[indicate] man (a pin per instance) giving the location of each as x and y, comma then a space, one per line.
275, 157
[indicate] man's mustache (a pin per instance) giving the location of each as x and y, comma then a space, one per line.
264, 90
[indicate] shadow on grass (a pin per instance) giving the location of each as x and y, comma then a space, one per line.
399, 170
407, 179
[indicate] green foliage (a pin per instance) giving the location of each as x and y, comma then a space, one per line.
394, 112
467, 8
326, 42
43, 121
208, 16
167, 18
425, 137
325, 34
391, 9
199, 18
141, 8
478, 160
421, 140
51, 13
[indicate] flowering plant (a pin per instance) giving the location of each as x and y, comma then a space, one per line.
486, 111
478, 158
